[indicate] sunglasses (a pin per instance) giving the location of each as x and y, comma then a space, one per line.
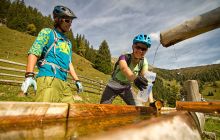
67, 20
140, 48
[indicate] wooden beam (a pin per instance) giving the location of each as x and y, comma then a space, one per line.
198, 25
205, 107
174, 126
16, 112
103, 110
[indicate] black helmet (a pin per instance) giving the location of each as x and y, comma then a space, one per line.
62, 12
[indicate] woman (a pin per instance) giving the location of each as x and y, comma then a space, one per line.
129, 68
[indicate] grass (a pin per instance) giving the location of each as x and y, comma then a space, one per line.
211, 88
213, 125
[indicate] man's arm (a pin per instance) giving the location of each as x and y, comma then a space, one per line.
75, 77
73, 73
29, 75
31, 62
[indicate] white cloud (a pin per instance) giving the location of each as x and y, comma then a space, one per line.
155, 36
216, 62
118, 21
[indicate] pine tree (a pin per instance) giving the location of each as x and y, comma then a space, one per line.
103, 59
31, 29
4, 6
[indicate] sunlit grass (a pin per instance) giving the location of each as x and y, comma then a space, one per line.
210, 88
213, 125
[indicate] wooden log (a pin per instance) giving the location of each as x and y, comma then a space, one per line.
103, 110
205, 107
16, 112
198, 25
34, 131
174, 126
177, 125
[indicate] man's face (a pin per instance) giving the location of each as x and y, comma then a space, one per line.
65, 24
139, 50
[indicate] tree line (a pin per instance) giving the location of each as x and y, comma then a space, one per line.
16, 15
171, 93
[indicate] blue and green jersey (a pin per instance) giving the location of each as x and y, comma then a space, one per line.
61, 55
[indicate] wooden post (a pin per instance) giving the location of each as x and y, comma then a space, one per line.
198, 25
192, 94
192, 90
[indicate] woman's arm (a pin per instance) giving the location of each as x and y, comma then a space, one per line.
126, 70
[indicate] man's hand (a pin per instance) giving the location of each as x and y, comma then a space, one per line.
27, 83
79, 86
141, 82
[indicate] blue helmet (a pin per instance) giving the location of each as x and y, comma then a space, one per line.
62, 12
142, 38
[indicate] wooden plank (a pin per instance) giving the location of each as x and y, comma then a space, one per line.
11, 75
11, 81
206, 107
177, 126
174, 126
100, 110
11, 62
198, 25
12, 69
16, 112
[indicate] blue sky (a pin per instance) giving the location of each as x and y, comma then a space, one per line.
118, 21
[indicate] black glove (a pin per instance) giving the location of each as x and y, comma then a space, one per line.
141, 82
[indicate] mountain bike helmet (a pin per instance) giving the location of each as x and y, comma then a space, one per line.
63, 12
142, 38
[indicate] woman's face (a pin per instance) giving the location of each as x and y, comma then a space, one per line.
139, 50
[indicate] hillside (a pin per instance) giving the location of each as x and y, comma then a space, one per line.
15, 45
207, 76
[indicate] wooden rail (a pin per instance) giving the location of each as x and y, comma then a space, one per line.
90, 85
205, 107
17, 112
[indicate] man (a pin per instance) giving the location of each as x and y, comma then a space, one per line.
52, 52
129, 68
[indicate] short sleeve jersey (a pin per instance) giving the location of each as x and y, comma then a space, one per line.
60, 55
134, 68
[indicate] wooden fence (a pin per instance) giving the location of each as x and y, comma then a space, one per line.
11, 74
